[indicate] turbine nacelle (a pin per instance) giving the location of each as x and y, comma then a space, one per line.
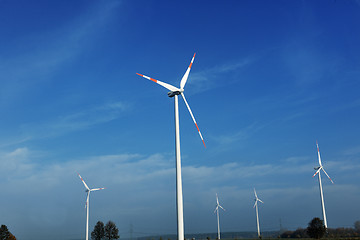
218, 204
173, 93
257, 199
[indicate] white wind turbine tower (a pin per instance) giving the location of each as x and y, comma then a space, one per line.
320, 185
217, 212
257, 213
174, 92
88, 190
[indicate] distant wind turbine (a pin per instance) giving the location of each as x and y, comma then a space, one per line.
257, 213
320, 185
88, 190
217, 212
174, 92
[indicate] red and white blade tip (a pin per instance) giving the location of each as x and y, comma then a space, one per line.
317, 172
81, 178
192, 60
165, 85
327, 175
186, 75
193, 118
152, 79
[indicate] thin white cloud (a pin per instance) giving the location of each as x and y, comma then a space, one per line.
206, 79
296, 160
83, 119
16, 162
352, 151
227, 140
358, 2
237, 171
47, 52
131, 168
14, 141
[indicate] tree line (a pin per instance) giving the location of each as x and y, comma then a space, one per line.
317, 230
100, 232
105, 232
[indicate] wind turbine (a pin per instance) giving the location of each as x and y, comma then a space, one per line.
217, 212
320, 185
88, 190
174, 92
257, 213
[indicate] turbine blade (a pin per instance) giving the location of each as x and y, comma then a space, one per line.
187, 105
222, 208
84, 182
255, 204
165, 85
217, 207
186, 75
317, 145
327, 175
260, 200
96, 189
317, 171
255, 194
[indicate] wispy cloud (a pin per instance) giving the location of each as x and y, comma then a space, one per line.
14, 141
135, 168
47, 52
23, 173
23, 168
237, 171
206, 79
358, 2
16, 162
83, 119
352, 151
227, 140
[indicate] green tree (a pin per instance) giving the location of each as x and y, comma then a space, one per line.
4, 232
111, 231
99, 232
11, 237
316, 228
357, 226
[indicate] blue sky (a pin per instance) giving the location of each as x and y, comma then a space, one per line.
269, 79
